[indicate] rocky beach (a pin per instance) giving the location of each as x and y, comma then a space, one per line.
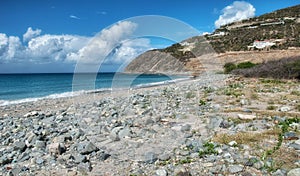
213, 125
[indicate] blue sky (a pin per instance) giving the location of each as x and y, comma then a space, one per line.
47, 35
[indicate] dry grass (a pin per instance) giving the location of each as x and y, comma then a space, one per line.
285, 158
249, 138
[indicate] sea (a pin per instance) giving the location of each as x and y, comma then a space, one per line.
20, 88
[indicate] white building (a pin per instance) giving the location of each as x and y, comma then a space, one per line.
262, 44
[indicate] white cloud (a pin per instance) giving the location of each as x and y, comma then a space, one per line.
74, 17
31, 34
104, 43
39, 49
71, 48
129, 50
3, 43
54, 47
237, 11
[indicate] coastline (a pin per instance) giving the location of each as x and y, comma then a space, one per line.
67, 94
148, 130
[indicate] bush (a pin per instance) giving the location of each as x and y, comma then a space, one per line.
228, 67
285, 68
244, 65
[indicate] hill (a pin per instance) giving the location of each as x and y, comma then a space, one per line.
267, 34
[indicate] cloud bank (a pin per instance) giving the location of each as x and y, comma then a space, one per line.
237, 11
105, 42
69, 49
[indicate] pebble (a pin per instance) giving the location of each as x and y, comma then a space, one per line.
186, 127
278, 173
150, 157
285, 109
20, 146
56, 148
39, 161
84, 168
258, 165
232, 143
161, 172
88, 148
233, 169
246, 116
294, 172
295, 145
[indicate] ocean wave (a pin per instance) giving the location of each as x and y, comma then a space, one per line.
52, 96
77, 93
173, 81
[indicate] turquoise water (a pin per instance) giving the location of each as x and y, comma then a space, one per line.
30, 86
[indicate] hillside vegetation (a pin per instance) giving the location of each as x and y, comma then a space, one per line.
279, 30
282, 26
288, 68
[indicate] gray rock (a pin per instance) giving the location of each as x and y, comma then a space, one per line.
103, 156
78, 133
297, 143
164, 157
150, 157
88, 148
161, 172
211, 158
225, 124
78, 158
84, 168
23, 157
258, 165
194, 155
39, 161
285, 109
181, 171
184, 152
294, 172
40, 144
186, 127
56, 148
295, 146
214, 122
279, 119
149, 121
235, 169
250, 162
20, 146
114, 134
278, 173
16, 170
125, 132
5, 160
290, 135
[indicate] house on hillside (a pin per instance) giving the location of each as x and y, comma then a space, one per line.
261, 45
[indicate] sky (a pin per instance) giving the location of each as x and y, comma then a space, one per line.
62, 35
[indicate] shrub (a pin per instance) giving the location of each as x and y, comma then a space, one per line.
285, 68
228, 67
244, 65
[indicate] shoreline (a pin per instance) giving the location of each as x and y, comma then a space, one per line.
83, 92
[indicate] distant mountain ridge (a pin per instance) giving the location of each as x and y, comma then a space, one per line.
279, 30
